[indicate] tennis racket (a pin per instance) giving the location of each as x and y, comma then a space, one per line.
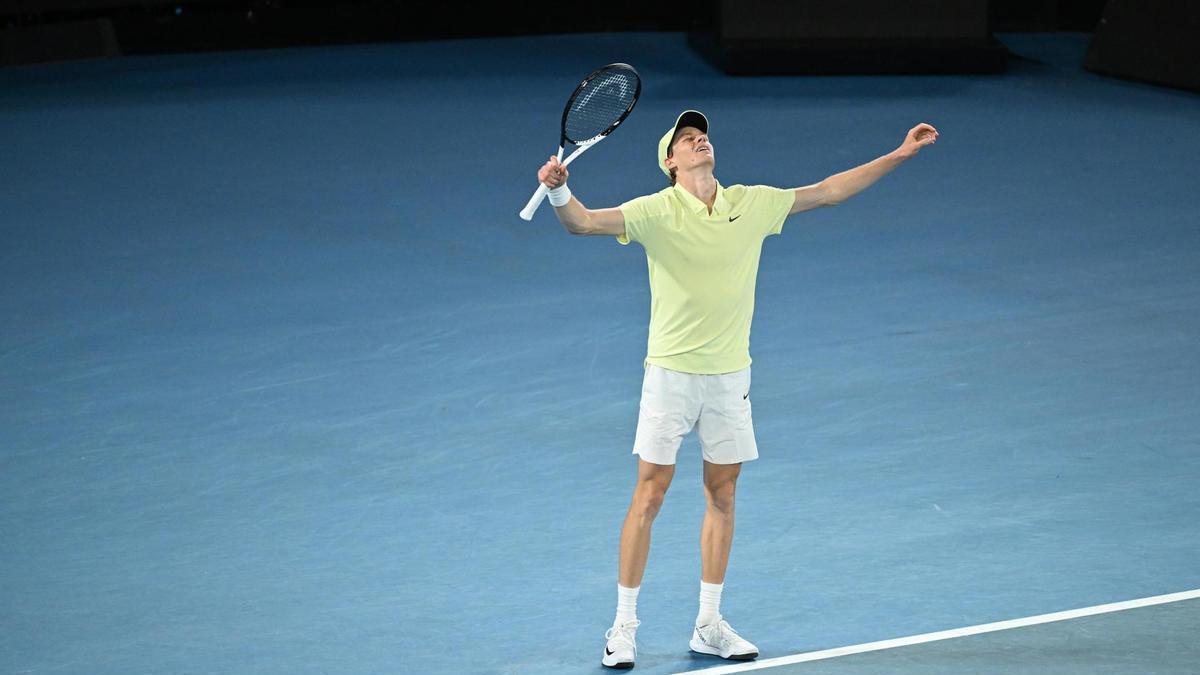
597, 106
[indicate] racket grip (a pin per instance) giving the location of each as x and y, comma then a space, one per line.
534, 202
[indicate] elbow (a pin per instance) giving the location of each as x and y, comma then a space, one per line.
575, 228
579, 226
832, 196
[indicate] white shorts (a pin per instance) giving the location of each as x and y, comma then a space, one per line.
674, 402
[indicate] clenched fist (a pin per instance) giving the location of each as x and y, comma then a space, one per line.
553, 174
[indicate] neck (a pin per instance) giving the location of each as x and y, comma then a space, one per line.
703, 186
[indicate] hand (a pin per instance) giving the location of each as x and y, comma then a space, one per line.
553, 174
918, 137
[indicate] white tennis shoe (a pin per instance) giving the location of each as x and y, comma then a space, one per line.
718, 639
621, 648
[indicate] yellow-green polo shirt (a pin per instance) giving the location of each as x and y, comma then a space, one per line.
703, 268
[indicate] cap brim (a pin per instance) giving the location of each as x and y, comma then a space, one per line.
691, 118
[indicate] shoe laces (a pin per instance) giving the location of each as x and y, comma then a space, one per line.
622, 632
723, 632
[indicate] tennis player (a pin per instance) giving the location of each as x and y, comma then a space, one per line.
702, 243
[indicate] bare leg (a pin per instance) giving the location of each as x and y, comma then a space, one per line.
716, 534
652, 483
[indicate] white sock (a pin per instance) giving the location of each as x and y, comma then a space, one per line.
626, 604
710, 603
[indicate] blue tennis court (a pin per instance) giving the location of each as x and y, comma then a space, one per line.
289, 388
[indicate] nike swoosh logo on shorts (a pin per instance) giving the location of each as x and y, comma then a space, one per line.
733, 218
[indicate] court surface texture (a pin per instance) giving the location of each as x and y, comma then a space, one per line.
289, 388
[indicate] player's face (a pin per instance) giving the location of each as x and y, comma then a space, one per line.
692, 148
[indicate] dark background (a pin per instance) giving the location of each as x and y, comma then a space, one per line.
153, 26
1155, 41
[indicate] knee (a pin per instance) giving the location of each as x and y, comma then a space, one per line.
721, 497
648, 499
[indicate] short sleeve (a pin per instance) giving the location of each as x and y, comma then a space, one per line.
640, 215
774, 204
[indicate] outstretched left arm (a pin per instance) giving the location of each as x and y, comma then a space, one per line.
842, 186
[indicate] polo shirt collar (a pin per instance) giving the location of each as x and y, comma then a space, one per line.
720, 205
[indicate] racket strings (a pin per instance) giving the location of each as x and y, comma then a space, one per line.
600, 105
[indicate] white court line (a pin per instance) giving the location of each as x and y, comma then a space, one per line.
949, 634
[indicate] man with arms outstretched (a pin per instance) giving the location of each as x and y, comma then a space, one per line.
702, 243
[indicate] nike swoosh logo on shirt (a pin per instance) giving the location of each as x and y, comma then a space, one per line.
733, 218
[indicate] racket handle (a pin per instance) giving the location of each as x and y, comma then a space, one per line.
534, 202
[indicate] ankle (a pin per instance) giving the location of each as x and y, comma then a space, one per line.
626, 604
710, 603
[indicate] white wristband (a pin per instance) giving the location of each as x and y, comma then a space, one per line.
560, 195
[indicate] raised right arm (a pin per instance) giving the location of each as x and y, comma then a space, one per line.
577, 218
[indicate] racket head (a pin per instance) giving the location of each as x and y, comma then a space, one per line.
600, 103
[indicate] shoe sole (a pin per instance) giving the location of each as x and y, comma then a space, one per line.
708, 651
620, 666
